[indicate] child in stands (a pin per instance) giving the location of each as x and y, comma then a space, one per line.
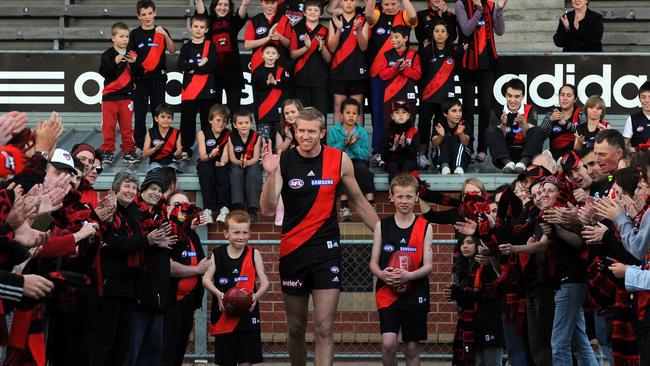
451, 143
401, 142
637, 126
213, 168
162, 143
285, 131
197, 61
352, 138
117, 95
586, 132
245, 171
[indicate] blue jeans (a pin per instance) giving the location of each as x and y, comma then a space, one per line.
377, 86
492, 356
569, 327
514, 345
604, 333
146, 338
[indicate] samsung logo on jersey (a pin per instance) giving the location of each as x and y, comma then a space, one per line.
223, 281
260, 30
296, 183
388, 248
322, 182
241, 279
408, 249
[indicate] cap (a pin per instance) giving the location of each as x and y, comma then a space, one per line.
62, 160
154, 177
569, 161
535, 172
401, 104
76, 149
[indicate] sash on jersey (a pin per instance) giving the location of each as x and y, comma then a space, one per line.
227, 323
385, 297
273, 98
480, 37
122, 81
198, 81
518, 137
222, 144
398, 19
187, 284
348, 45
564, 138
169, 144
400, 81
302, 61
321, 210
250, 145
153, 56
439, 80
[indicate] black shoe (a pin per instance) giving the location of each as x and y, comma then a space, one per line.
131, 158
107, 158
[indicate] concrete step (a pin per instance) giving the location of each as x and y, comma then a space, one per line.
516, 26
533, 15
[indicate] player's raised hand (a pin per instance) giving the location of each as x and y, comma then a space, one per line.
270, 161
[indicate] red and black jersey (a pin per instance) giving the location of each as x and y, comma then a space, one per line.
438, 70
258, 27
379, 40
560, 137
310, 228
411, 241
198, 81
223, 33
640, 129
293, 10
482, 51
230, 272
215, 142
590, 136
400, 84
310, 70
348, 61
269, 97
118, 79
164, 155
515, 132
150, 47
241, 147
187, 291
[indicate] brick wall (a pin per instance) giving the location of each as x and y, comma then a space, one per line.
356, 328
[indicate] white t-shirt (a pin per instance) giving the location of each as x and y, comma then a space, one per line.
627, 130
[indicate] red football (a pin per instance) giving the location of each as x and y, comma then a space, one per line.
404, 262
237, 301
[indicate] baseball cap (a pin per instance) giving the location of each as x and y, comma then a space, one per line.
569, 161
535, 172
401, 104
62, 160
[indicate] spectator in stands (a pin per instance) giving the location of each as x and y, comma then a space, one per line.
479, 21
435, 12
86, 155
637, 125
213, 168
197, 61
560, 124
163, 142
580, 30
513, 135
97, 168
585, 134
450, 143
270, 83
245, 171
267, 27
401, 142
117, 95
437, 84
352, 138
312, 57
382, 20
285, 135
348, 41
149, 42
225, 24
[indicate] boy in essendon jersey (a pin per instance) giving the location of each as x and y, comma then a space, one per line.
400, 70
267, 27
150, 42
162, 143
411, 235
197, 61
117, 95
269, 82
309, 50
237, 338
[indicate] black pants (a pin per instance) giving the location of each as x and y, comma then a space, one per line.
189, 110
400, 165
70, 332
500, 150
178, 323
313, 97
452, 152
112, 321
484, 80
148, 94
430, 114
215, 184
540, 310
233, 96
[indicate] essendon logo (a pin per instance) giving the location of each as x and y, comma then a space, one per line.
296, 183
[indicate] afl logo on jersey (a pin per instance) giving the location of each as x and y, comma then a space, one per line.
223, 281
450, 60
239, 149
639, 129
261, 30
155, 142
301, 37
334, 269
388, 248
381, 31
296, 183
211, 142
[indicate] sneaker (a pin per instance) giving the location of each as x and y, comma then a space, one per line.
445, 170
376, 160
509, 168
459, 170
185, 156
279, 214
520, 167
222, 214
107, 158
252, 211
131, 158
346, 215
423, 162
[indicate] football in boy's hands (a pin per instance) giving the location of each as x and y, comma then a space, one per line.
401, 260
237, 301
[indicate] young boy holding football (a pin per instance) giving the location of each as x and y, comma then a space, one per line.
402, 260
237, 338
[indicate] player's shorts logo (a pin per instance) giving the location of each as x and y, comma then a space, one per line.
296, 183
